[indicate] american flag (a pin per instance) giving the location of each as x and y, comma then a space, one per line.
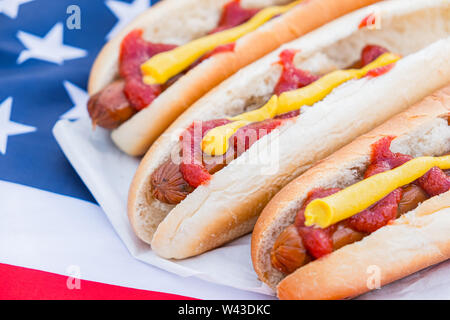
49, 221
52, 231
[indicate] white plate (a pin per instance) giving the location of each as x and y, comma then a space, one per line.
107, 173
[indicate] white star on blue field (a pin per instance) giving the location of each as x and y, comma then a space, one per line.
79, 98
49, 48
11, 7
125, 12
8, 127
44, 69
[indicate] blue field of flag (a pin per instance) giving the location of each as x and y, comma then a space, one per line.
47, 48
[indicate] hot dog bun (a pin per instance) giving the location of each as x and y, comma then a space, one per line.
180, 21
229, 205
398, 250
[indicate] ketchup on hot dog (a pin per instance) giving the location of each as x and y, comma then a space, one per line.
319, 242
233, 15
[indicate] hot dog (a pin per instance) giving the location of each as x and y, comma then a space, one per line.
400, 173
178, 50
302, 102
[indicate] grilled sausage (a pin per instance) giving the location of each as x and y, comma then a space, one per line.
110, 107
168, 185
411, 197
288, 253
345, 235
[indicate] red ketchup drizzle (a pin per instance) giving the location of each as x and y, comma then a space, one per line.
291, 77
194, 174
378, 215
288, 115
369, 54
134, 52
380, 71
383, 159
233, 15
192, 167
368, 20
318, 242
385, 210
435, 182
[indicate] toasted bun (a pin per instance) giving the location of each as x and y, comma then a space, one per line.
180, 21
229, 205
421, 130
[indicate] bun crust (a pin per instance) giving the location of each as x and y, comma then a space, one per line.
229, 205
135, 136
343, 168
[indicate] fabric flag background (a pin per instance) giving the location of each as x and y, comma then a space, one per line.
48, 219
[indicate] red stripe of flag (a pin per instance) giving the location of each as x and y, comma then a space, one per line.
18, 283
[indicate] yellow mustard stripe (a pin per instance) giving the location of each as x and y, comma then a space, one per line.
163, 66
360, 196
218, 143
316, 91
215, 141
